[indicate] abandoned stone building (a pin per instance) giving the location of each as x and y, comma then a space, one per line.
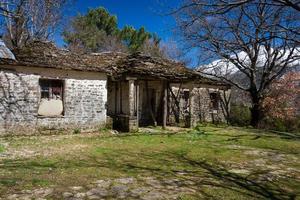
44, 87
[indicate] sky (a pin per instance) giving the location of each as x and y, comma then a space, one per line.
138, 13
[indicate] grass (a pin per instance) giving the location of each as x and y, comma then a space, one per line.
207, 155
1, 148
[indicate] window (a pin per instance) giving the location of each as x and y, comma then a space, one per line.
51, 89
214, 101
185, 103
186, 95
51, 103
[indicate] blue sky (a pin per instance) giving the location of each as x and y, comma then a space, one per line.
147, 13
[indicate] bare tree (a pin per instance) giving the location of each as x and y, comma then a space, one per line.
256, 42
223, 6
171, 50
26, 20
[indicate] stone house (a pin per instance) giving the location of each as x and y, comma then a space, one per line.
45, 87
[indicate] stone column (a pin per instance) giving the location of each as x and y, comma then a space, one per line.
192, 121
131, 97
132, 118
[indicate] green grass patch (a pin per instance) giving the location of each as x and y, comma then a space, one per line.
207, 154
1, 148
8, 182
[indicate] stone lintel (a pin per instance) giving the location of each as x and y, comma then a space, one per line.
128, 78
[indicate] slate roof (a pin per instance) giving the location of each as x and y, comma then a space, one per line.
46, 54
147, 66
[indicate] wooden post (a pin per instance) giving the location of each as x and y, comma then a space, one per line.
165, 104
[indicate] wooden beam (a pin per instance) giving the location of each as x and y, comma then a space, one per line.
165, 104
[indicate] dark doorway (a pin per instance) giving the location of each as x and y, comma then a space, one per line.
148, 114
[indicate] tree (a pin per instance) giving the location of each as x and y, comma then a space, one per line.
281, 101
134, 39
94, 31
27, 20
224, 6
254, 40
171, 50
152, 47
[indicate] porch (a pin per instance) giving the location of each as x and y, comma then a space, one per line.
134, 102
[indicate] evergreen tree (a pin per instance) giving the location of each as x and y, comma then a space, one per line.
98, 31
91, 32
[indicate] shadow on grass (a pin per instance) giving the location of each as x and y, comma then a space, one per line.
162, 166
241, 184
271, 134
217, 176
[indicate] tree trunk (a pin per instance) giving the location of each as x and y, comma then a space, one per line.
256, 113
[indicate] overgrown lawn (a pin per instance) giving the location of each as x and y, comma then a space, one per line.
221, 162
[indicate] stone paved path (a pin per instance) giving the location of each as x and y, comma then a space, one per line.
124, 188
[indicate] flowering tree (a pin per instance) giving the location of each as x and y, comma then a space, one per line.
282, 100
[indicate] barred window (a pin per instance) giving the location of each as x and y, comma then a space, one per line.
214, 100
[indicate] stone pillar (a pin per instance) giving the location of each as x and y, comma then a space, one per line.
131, 98
192, 121
132, 117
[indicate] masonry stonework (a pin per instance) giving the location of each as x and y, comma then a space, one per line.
203, 111
194, 105
84, 101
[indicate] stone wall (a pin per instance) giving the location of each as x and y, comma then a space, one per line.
85, 97
203, 112
199, 99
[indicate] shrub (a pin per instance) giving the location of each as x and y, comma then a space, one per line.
283, 125
76, 131
240, 115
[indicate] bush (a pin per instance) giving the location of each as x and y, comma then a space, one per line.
76, 131
240, 115
290, 125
